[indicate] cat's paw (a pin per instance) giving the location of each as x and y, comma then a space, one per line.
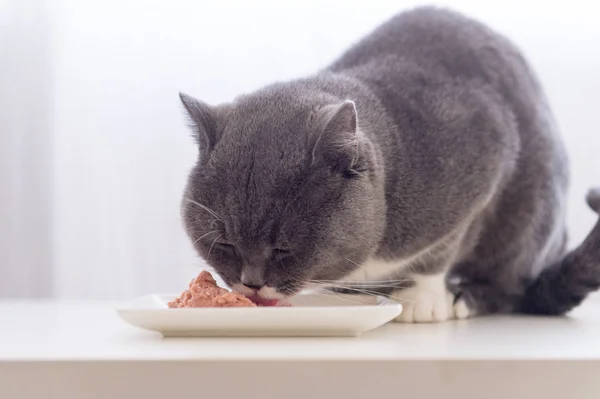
460, 310
430, 301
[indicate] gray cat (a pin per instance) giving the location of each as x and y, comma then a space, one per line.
424, 164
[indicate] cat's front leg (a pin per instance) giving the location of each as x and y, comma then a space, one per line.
429, 300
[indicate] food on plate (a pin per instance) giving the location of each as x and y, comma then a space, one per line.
204, 292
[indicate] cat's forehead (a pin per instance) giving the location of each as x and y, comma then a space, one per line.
260, 162
268, 133
279, 107
269, 118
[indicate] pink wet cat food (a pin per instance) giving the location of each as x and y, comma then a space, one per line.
204, 292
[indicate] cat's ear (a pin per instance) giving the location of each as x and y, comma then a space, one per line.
203, 122
338, 139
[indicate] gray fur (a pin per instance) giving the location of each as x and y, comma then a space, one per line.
431, 134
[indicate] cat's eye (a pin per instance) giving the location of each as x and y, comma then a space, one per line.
281, 252
354, 173
224, 246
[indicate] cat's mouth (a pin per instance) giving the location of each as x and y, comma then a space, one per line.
265, 296
260, 301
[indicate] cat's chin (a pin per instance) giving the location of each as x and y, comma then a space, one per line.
266, 296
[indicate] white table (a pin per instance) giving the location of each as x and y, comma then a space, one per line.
83, 350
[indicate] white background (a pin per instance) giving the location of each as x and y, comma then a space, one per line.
94, 150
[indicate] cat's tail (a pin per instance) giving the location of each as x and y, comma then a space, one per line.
564, 285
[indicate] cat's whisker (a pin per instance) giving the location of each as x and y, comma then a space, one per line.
375, 293
201, 237
373, 287
325, 293
339, 297
348, 298
353, 262
211, 247
362, 291
371, 284
388, 284
375, 281
207, 209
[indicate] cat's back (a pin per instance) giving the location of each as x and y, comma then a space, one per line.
442, 44
430, 58
434, 71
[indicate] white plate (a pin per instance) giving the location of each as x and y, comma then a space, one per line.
310, 315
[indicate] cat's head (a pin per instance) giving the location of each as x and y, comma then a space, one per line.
287, 190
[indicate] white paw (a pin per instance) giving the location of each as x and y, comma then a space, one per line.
430, 301
461, 310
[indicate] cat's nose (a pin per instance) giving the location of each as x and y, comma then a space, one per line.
254, 286
252, 283
253, 277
